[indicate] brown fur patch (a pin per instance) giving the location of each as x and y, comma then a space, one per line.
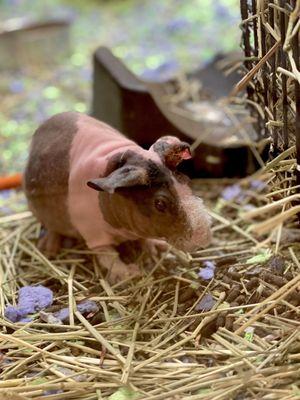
47, 172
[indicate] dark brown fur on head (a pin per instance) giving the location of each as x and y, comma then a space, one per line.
141, 197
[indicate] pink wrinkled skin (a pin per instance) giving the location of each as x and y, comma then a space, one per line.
88, 158
75, 164
87, 181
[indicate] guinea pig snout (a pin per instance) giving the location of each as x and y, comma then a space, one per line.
198, 223
193, 243
201, 237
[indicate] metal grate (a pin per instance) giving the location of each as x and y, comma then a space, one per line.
271, 40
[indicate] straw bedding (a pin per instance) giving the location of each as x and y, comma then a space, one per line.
172, 333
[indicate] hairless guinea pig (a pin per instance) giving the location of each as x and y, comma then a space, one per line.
86, 180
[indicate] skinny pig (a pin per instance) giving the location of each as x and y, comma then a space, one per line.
86, 180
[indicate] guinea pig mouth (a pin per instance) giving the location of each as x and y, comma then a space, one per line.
184, 245
188, 247
192, 245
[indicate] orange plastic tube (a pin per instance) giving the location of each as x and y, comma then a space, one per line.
10, 181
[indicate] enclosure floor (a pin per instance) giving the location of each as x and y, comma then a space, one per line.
169, 334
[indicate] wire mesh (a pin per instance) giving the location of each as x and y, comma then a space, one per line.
270, 40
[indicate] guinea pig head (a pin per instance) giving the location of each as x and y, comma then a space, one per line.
144, 197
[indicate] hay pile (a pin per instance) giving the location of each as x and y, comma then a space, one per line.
171, 334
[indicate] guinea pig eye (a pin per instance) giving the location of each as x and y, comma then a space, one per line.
160, 205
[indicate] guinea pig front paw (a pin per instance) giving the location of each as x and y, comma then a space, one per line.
155, 246
50, 244
118, 271
121, 271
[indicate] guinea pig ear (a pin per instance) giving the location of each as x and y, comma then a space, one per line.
172, 151
126, 176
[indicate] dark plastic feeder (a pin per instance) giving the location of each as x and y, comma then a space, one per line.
133, 107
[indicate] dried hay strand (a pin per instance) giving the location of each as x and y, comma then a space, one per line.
168, 334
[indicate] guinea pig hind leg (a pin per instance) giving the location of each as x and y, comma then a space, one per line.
50, 243
118, 271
